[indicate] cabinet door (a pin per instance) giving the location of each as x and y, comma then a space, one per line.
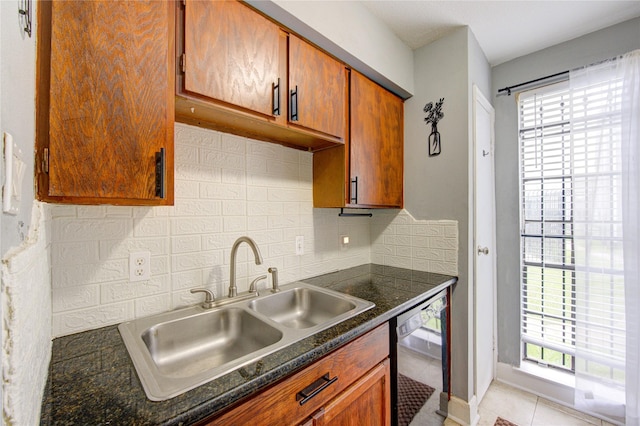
317, 90
376, 145
281, 403
105, 101
232, 54
366, 402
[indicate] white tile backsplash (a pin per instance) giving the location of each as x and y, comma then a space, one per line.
397, 239
226, 186
26, 322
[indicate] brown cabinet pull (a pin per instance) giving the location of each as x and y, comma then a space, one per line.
314, 388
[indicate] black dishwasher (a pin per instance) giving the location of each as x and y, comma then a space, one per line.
420, 361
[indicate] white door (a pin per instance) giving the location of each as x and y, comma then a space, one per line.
484, 244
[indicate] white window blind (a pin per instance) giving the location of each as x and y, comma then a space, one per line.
568, 280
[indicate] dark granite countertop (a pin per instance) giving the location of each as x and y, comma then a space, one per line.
93, 381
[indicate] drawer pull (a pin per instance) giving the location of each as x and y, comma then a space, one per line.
314, 388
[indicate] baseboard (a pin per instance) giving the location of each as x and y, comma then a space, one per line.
463, 412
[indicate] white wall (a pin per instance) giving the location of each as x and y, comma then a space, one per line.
582, 51
17, 111
26, 305
25, 298
350, 32
1, 173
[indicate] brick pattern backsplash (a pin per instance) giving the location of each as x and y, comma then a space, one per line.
226, 186
397, 239
26, 341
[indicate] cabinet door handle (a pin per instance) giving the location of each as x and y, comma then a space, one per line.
276, 98
160, 173
354, 190
314, 388
294, 104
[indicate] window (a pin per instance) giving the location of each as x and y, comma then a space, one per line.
547, 261
561, 160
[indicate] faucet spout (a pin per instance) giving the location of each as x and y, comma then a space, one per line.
233, 290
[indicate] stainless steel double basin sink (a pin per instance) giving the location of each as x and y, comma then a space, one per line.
179, 350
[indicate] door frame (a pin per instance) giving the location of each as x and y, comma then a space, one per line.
479, 100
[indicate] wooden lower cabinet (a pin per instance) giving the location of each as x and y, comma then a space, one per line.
351, 384
366, 402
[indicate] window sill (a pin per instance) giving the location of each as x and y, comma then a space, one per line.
548, 383
550, 374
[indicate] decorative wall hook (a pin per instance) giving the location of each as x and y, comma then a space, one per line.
24, 10
434, 114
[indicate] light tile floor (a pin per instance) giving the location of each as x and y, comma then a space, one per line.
501, 400
526, 409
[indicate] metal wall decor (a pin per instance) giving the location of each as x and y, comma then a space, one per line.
434, 114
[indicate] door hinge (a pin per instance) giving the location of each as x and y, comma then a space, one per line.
45, 160
183, 63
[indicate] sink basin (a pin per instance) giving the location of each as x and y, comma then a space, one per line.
176, 351
302, 307
191, 345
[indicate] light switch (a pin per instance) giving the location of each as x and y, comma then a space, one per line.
299, 245
14, 169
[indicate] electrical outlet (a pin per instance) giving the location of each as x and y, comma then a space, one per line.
299, 245
139, 266
344, 239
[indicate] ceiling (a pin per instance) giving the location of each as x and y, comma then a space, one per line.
505, 29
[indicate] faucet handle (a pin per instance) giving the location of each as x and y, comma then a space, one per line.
209, 297
274, 279
253, 288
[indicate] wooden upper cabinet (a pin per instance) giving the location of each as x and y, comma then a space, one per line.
317, 89
232, 55
105, 102
376, 145
368, 171
237, 70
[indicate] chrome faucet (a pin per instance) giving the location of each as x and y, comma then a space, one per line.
209, 298
253, 288
233, 290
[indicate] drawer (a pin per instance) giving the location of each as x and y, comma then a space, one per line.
321, 382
